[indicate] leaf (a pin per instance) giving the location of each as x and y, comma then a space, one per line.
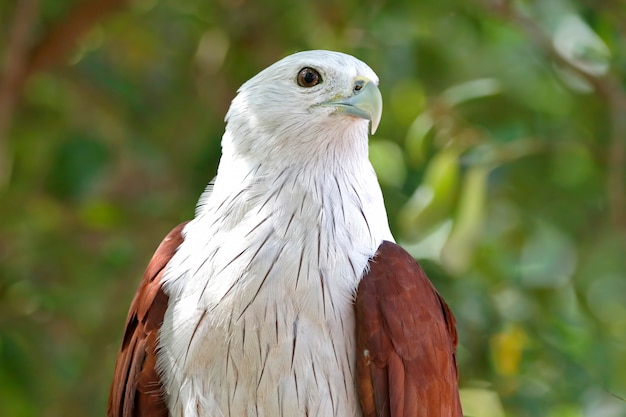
458, 251
481, 402
432, 202
388, 162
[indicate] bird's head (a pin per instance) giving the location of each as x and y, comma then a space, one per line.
302, 104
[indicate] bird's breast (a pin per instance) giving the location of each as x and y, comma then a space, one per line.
261, 320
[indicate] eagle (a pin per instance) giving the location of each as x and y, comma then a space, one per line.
286, 294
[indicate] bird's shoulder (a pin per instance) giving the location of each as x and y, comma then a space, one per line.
406, 341
136, 387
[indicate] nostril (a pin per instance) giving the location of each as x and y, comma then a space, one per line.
358, 85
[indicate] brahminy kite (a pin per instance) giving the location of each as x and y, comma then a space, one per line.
286, 294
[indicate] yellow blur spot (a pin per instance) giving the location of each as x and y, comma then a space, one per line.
506, 350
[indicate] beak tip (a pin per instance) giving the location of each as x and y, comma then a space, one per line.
373, 126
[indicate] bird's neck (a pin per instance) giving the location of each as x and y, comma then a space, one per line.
334, 206
343, 143
308, 190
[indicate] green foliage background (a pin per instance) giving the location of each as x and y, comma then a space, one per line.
501, 154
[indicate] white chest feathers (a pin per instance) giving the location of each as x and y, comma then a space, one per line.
260, 319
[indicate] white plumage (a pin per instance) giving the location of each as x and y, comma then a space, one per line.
260, 320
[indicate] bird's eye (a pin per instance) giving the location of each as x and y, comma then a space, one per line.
308, 77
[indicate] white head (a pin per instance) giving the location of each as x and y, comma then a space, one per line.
302, 105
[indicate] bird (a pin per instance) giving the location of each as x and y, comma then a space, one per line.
286, 294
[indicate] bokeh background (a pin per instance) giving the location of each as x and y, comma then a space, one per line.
501, 154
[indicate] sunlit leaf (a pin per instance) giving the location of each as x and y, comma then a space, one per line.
432, 201
479, 402
575, 41
416, 137
471, 90
468, 222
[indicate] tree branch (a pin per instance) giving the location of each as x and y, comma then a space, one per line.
13, 74
21, 62
61, 40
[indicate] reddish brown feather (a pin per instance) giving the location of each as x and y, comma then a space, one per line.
406, 341
136, 387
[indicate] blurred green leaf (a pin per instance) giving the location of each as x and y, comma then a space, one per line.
432, 202
459, 249
471, 90
78, 164
416, 137
387, 159
479, 402
548, 258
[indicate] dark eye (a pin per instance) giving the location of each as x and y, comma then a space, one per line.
308, 77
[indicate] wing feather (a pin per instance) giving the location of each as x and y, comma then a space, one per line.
136, 387
406, 341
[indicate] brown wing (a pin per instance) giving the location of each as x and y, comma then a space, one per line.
136, 388
406, 341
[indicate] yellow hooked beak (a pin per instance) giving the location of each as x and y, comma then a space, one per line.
366, 102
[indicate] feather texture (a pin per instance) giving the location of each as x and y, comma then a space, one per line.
406, 341
136, 387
